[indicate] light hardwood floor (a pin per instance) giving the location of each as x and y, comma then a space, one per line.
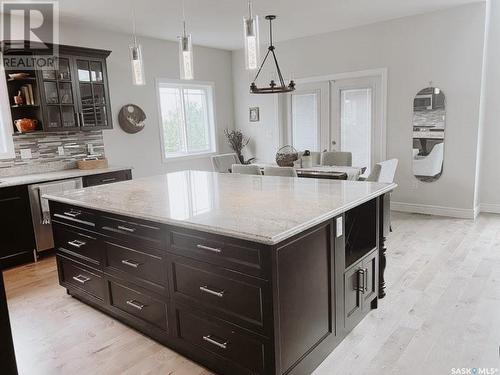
442, 311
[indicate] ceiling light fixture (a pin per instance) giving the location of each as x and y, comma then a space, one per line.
185, 50
251, 35
136, 61
273, 88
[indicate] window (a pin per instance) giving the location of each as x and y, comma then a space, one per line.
186, 118
305, 121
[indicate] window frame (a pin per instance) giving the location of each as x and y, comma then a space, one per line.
210, 89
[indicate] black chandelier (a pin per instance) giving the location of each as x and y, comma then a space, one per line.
273, 88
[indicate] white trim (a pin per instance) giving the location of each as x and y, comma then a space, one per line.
6, 141
211, 114
492, 208
461, 213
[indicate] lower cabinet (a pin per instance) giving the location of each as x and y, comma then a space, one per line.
360, 289
18, 239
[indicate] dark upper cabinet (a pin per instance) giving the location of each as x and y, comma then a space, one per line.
73, 97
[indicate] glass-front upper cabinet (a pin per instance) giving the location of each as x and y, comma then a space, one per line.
59, 96
93, 93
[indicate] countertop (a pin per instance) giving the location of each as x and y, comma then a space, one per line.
264, 209
53, 176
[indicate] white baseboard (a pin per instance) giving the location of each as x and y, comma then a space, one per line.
462, 213
490, 207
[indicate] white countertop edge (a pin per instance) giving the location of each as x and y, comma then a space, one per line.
35, 178
230, 233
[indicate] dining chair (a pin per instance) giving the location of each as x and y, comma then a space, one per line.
222, 163
430, 165
246, 169
383, 172
280, 171
340, 158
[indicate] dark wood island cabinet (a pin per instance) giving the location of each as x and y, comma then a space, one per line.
235, 306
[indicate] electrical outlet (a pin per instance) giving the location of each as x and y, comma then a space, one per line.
26, 153
60, 150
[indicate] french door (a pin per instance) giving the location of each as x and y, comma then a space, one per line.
341, 115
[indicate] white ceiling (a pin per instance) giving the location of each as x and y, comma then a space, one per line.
218, 23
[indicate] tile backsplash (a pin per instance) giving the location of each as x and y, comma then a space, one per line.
45, 151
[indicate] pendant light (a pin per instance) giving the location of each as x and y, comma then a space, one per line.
136, 61
273, 88
185, 50
251, 35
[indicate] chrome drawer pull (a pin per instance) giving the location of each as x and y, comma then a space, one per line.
73, 213
81, 279
130, 263
206, 289
212, 249
126, 229
77, 243
108, 180
135, 304
361, 281
366, 279
211, 340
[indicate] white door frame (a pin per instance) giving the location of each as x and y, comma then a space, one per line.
382, 116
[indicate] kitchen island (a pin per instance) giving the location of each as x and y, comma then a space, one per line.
243, 274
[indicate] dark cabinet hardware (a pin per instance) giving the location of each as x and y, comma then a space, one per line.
81, 279
126, 229
130, 263
208, 248
361, 281
212, 340
206, 289
77, 243
135, 304
365, 280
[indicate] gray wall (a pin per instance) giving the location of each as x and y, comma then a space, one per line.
443, 47
142, 151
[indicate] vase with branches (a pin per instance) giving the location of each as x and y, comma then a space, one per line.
237, 141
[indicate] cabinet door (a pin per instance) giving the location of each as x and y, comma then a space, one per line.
370, 283
58, 93
93, 96
353, 295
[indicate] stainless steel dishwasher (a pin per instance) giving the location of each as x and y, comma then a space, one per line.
40, 209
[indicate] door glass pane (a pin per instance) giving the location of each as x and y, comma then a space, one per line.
86, 94
48, 74
68, 116
101, 116
51, 92
83, 70
88, 116
65, 93
64, 70
171, 117
96, 71
54, 116
197, 127
305, 122
355, 125
99, 94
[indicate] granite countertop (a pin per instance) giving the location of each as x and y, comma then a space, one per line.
264, 209
53, 176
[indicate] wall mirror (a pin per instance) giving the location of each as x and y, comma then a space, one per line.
429, 118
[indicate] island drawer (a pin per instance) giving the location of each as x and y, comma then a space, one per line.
77, 243
73, 215
107, 178
142, 232
75, 275
238, 255
133, 302
246, 352
143, 266
229, 295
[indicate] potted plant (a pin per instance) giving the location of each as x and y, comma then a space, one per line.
237, 141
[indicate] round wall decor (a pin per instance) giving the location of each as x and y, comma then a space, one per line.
131, 118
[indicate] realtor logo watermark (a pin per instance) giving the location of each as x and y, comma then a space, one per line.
30, 35
474, 371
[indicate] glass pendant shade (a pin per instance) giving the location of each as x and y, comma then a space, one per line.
137, 65
186, 57
252, 45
